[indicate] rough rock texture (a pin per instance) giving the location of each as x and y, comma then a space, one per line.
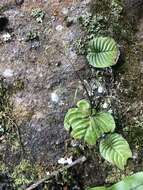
134, 7
133, 3
38, 57
43, 66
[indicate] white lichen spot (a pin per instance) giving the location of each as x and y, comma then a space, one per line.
110, 111
105, 105
65, 11
69, 160
7, 73
54, 97
74, 143
6, 37
100, 89
59, 28
47, 173
135, 155
64, 161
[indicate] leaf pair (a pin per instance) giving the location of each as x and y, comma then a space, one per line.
88, 124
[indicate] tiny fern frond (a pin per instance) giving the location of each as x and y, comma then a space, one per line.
115, 149
87, 124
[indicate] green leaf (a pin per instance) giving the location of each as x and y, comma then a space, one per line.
103, 52
115, 149
85, 123
98, 188
134, 182
83, 105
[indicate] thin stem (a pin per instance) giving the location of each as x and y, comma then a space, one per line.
55, 173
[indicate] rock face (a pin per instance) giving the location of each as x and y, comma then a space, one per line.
134, 7
39, 58
40, 55
133, 3
5, 182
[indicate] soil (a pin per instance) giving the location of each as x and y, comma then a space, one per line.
39, 66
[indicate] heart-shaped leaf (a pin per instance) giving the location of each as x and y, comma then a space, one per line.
103, 52
115, 149
87, 124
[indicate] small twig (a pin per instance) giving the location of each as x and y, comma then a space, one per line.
54, 173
